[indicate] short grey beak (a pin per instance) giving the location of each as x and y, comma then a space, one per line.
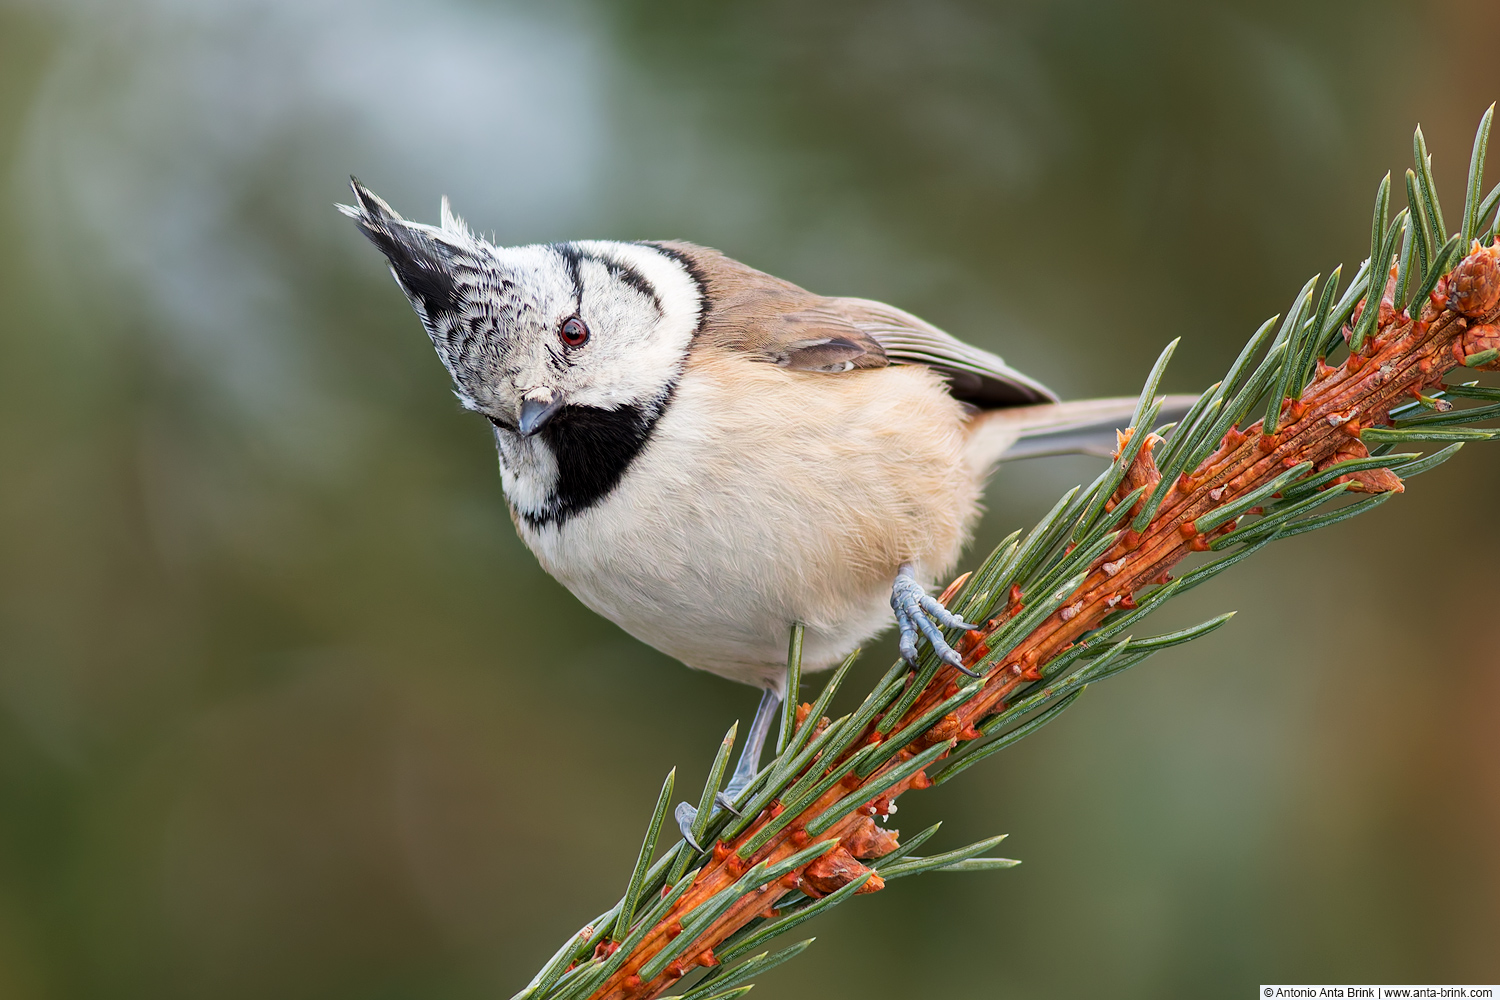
536, 412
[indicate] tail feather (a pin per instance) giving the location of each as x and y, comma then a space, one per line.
1085, 426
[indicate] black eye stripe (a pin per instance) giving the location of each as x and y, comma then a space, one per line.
629, 276
571, 255
620, 271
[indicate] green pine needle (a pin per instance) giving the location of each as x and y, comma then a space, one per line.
1476, 177
1118, 468
876, 788
1421, 227
1333, 329
1040, 540
1379, 260
648, 850
1428, 187
949, 860
1404, 262
1472, 390
912, 844
802, 795
1229, 511
706, 800
1314, 340
819, 708
791, 918
790, 700
756, 966
1486, 211
1274, 520
583, 980
1437, 458
1291, 334
1387, 435
1444, 259
726, 995
1342, 514
901, 740
980, 751
1311, 484
1470, 416
1156, 643
1031, 702
973, 598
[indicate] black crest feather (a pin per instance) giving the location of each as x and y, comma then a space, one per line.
422, 264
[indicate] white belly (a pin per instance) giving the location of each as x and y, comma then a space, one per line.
793, 498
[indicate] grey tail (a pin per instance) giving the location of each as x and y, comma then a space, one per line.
1085, 426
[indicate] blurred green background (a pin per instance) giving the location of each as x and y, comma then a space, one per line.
287, 710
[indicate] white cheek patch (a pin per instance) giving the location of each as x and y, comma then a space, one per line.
640, 338
642, 307
681, 298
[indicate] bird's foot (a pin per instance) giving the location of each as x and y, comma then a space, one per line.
745, 771
913, 606
686, 813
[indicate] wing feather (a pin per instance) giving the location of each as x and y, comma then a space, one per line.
776, 321
976, 376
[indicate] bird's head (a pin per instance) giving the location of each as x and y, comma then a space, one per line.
536, 337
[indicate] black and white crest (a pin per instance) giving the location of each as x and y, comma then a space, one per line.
571, 350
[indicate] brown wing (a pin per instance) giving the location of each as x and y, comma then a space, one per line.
778, 322
975, 376
815, 339
758, 314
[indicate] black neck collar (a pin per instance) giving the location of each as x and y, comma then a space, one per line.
593, 448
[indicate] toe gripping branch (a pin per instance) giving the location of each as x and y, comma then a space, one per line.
913, 605
1407, 351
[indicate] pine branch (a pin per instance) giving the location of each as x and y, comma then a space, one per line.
1055, 601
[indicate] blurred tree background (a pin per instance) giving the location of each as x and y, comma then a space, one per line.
287, 710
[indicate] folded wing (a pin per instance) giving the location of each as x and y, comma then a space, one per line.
976, 376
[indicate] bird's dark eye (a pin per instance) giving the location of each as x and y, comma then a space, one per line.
574, 332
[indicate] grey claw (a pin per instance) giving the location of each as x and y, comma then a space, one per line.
948, 654
723, 800
686, 814
958, 665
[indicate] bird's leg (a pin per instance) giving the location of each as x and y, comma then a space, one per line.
749, 763
745, 769
913, 605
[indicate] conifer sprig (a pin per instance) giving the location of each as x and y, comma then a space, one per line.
1056, 603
